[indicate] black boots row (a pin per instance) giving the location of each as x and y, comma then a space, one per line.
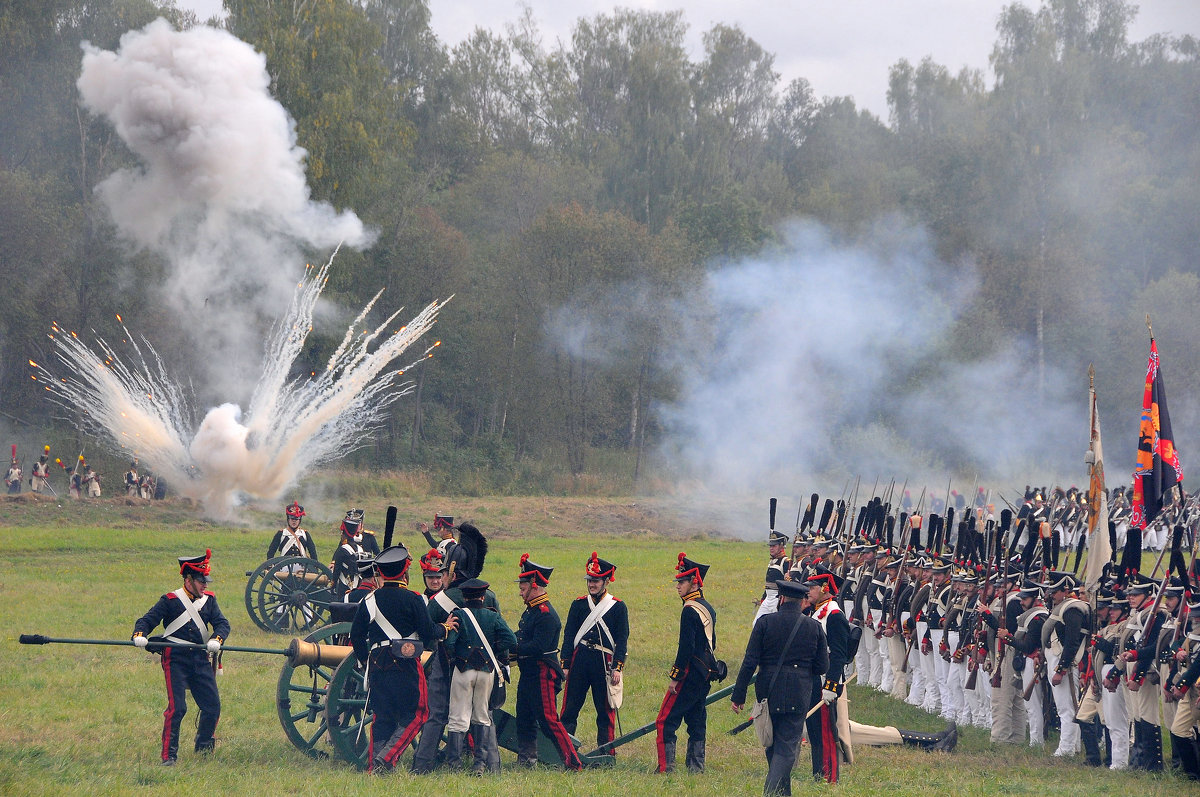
694, 760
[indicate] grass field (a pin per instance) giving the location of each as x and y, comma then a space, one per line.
88, 718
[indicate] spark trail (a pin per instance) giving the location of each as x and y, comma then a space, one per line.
291, 424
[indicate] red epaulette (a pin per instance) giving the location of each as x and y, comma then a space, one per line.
581, 597
618, 600
544, 608
207, 592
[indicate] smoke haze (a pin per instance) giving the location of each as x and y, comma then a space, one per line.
220, 191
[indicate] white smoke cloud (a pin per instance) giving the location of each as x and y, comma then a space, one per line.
220, 190
819, 362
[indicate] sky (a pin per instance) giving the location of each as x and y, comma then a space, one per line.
843, 47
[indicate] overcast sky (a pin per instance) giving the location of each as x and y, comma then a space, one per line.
843, 47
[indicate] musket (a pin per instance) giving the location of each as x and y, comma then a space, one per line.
39, 639
1039, 670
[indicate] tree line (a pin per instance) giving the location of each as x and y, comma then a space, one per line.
537, 182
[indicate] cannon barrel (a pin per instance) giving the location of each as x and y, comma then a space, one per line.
608, 747
315, 654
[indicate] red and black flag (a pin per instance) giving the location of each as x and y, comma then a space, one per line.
1158, 468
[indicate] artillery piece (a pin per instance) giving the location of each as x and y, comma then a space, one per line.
289, 595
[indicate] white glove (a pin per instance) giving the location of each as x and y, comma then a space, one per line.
829, 696
141, 641
214, 645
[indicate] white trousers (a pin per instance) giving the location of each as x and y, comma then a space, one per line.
470, 691
1068, 739
1033, 707
1116, 718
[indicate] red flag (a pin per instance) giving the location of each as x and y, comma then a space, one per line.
1157, 469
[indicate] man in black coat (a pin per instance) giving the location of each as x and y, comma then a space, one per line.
388, 631
186, 615
695, 656
787, 671
541, 674
594, 645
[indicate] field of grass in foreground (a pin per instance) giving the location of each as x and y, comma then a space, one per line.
74, 717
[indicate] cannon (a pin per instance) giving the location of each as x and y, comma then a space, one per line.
289, 595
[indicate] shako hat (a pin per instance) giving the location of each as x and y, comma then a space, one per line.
599, 568
433, 562
686, 568
531, 571
352, 523
294, 510
393, 562
443, 522
823, 578
777, 538
1057, 579
197, 566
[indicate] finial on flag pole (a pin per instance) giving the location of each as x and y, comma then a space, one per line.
1149, 327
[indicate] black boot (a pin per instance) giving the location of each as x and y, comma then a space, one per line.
527, 754
1152, 733
454, 748
1189, 756
1107, 746
1137, 746
933, 742
1091, 743
668, 757
695, 756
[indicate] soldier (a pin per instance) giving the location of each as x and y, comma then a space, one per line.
1173, 592
541, 674
74, 483
291, 540
1139, 648
935, 668
865, 661
186, 615
1185, 729
1029, 659
12, 480
479, 650
881, 610
438, 667
823, 725
1108, 667
1062, 638
1008, 709
39, 482
595, 642
388, 631
790, 652
348, 555
916, 625
778, 567
695, 660
91, 482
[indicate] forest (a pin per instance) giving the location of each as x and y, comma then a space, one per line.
664, 267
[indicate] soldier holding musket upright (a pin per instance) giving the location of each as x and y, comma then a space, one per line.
1062, 640
595, 641
1107, 668
1029, 659
1008, 709
1139, 651
1185, 729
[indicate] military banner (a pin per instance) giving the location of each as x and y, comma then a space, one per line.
1099, 549
1157, 469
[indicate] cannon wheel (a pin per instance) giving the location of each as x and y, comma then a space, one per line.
346, 714
289, 595
301, 695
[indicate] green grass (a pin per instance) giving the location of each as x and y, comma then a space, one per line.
88, 717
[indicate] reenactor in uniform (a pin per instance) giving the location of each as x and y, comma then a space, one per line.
873, 601
933, 665
1139, 646
866, 660
349, 554
187, 614
823, 725
1108, 667
1008, 709
790, 653
1185, 729
915, 626
12, 480
778, 567
1029, 660
438, 668
388, 633
1173, 592
889, 571
91, 482
1087, 716
291, 540
541, 674
595, 643
39, 482
695, 660
479, 651
1062, 640
900, 601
